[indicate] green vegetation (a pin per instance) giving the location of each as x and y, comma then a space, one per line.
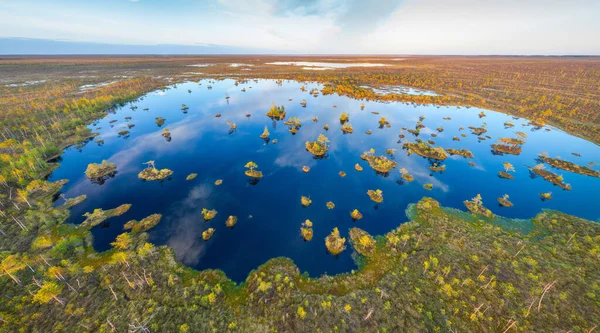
95, 170
475, 206
504, 201
71, 202
306, 230
208, 214
251, 172
152, 173
375, 195
363, 242
305, 201
426, 150
335, 243
319, 147
276, 112
231, 221
381, 164
344, 117
406, 176
508, 168
265, 134
208, 233
569, 166
356, 215
347, 128
461, 152
145, 224
550, 177
445, 271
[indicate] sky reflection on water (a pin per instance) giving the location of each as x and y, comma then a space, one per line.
269, 213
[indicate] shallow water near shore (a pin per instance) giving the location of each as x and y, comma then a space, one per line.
269, 212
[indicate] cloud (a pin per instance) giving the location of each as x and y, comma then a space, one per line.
299, 7
184, 227
321, 26
361, 17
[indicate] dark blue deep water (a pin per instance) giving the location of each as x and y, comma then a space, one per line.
201, 144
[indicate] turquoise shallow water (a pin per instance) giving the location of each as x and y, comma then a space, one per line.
269, 212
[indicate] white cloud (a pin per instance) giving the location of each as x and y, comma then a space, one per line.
322, 26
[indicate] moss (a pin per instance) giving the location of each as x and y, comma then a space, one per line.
306, 230
363, 242
74, 201
569, 166
381, 164
318, 147
265, 134
335, 243
426, 150
231, 221
99, 215
208, 233
145, 224
208, 214
347, 128
461, 152
95, 170
407, 177
344, 117
253, 173
506, 149
356, 215
276, 112
550, 177
305, 201
437, 168
151, 174
504, 201
475, 206
375, 195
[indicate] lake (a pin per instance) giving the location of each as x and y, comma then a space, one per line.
269, 212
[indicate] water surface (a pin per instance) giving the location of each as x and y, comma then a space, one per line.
270, 213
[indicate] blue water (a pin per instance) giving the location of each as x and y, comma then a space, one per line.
201, 144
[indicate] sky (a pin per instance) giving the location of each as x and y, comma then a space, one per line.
514, 27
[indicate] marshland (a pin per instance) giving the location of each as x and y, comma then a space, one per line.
201, 144
205, 215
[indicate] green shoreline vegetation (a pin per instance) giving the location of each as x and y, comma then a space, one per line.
439, 272
445, 270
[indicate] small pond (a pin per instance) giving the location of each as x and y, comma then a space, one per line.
269, 212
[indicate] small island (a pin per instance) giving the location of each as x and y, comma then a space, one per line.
152, 173
335, 243
95, 170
